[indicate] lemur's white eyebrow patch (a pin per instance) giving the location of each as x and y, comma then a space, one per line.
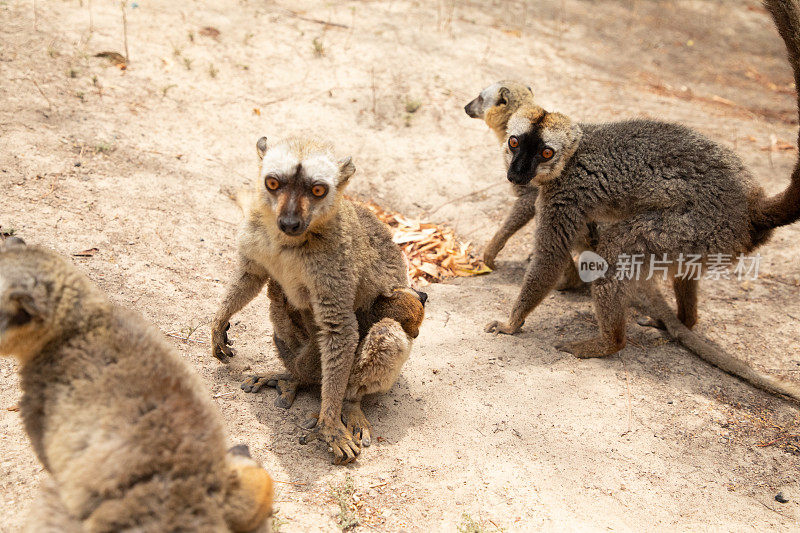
279, 160
320, 168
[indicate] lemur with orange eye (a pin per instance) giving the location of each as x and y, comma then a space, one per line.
495, 105
662, 191
342, 309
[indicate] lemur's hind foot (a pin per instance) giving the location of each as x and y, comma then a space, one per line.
357, 423
285, 384
595, 347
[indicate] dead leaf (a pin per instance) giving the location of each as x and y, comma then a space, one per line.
256, 111
433, 252
210, 31
13, 408
86, 253
114, 58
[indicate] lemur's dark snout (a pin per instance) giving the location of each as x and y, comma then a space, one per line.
517, 179
291, 225
468, 110
423, 296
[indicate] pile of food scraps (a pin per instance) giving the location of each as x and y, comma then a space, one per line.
434, 254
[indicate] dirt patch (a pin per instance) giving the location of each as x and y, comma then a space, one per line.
133, 163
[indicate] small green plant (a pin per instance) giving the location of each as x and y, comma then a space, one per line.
277, 522
72, 73
342, 494
187, 63
51, 49
212, 70
103, 147
468, 525
319, 47
80, 95
165, 89
190, 35
413, 105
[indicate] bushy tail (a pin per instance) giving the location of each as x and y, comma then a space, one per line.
709, 352
783, 208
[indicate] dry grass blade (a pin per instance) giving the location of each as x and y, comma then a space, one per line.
433, 252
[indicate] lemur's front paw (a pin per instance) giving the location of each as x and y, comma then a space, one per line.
340, 441
220, 344
497, 327
488, 258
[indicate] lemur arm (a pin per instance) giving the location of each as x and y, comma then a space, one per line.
249, 280
521, 213
556, 232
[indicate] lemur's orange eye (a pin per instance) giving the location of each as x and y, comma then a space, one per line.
513, 142
319, 191
273, 184
547, 153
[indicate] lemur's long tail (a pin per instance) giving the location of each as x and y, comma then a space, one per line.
784, 207
709, 352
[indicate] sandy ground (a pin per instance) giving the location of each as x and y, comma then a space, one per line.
500, 433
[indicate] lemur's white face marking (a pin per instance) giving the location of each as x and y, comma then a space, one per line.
299, 182
498, 95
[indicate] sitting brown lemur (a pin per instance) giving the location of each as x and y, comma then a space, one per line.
494, 105
663, 191
342, 310
127, 434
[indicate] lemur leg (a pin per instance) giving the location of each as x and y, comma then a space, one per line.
570, 279
686, 297
296, 348
609, 307
522, 212
379, 358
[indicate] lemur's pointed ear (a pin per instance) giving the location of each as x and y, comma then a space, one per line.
26, 308
261, 147
346, 169
504, 94
12, 243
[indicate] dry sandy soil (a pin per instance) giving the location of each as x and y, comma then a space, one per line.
486, 432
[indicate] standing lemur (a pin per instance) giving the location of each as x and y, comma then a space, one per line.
663, 191
495, 105
343, 313
127, 434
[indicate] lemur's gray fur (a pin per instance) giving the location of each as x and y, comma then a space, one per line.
661, 189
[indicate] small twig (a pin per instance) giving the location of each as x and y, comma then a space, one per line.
373, 91
221, 394
628, 396
39, 87
773, 441
184, 338
380, 485
316, 21
473, 193
125, 31
291, 483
